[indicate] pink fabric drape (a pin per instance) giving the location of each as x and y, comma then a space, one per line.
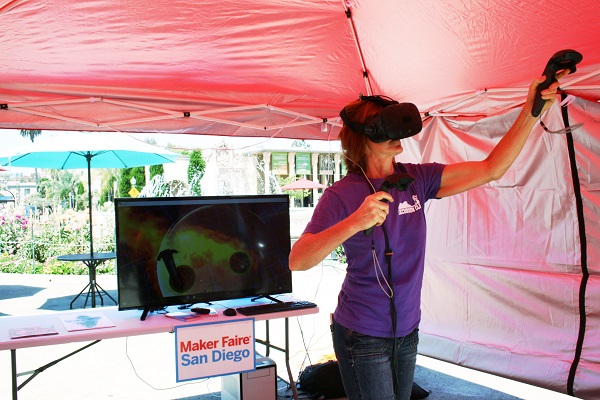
503, 269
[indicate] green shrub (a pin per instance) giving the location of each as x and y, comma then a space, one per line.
30, 245
339, 254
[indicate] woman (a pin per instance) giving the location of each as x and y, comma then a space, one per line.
378, 312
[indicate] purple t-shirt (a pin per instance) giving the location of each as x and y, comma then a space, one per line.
363, 306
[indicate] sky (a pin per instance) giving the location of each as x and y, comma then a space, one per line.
11, 140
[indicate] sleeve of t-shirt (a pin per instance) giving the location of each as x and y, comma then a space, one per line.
428, 176
328, 211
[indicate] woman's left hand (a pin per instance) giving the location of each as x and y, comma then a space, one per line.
547, 94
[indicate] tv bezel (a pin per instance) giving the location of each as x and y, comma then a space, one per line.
158, 304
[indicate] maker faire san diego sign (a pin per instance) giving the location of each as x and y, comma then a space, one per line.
214, 349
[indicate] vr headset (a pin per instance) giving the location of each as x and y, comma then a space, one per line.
394, 121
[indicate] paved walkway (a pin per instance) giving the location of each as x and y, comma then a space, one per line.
125, 368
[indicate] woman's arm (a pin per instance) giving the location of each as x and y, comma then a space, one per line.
463, 176
311, 248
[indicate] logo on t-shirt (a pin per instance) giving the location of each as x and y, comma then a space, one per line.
405, 208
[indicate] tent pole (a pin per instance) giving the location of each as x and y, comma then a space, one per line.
57, 117
358, 48
88, 157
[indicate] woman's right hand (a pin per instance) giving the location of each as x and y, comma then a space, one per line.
373, 211
311, 249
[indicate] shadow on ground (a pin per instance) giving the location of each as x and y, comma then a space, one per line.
63, 303
13, 291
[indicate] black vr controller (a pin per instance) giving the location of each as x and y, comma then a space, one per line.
399, 181
394, 121
564, 59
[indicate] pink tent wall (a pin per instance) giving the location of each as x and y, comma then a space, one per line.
512, 270
504, 269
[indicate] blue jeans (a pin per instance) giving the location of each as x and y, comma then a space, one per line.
366, 367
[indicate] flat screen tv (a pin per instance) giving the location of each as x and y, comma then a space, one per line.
188, 250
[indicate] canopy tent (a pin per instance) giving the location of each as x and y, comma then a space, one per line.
513, 267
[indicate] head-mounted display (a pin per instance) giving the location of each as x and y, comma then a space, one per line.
394, 121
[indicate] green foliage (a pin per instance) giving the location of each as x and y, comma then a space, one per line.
18, 265
138, 173
294, 194
196, 172
156, 170
157, 186
124, 182
42, 185
107, 189
82, 198
140, 177
30, 245
62, 187
339, 254
301, 143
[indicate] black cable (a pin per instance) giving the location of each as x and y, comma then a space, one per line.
583, 243
394, 317
388, 256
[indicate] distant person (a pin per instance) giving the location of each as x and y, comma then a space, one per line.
379, 301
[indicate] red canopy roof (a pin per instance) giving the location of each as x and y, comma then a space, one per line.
275, 68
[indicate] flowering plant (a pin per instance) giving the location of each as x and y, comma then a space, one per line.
43, 237
13, 228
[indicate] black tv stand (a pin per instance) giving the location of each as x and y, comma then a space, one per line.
266, 296
146, 311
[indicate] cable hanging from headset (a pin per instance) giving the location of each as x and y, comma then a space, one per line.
376, 265
389, 292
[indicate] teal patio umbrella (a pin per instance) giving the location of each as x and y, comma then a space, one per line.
86, 150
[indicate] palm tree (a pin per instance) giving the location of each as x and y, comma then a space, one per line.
31, 134
62, 187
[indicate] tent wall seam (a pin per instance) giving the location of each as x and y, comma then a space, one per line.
583, 244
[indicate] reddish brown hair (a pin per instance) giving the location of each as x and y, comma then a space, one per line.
354, 143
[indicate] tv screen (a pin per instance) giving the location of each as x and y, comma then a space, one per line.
188, 250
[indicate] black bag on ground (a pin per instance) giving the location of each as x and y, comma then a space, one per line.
322, 380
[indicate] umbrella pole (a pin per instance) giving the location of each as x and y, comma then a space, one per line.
88, 157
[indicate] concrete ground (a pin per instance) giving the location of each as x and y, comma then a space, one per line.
142, 367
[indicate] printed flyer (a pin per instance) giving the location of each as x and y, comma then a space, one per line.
85, 321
